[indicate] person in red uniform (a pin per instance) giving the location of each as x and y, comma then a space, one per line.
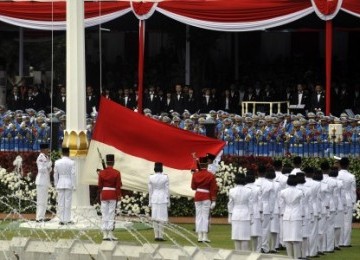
109, 184
204, 183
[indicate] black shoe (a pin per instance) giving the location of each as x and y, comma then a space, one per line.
263, 251
337, 248
273, 252
61, 223
161, 239
321, 253
106, 239
346, 246
70, 223
329, 252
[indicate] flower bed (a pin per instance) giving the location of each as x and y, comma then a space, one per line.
19, 192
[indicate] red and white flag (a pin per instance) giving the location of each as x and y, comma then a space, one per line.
137, 142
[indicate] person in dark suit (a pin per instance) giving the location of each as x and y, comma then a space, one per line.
207, 103
301, 97
92, 100
249, 96
29, 100
14, 100
178, 99
127, 100
234, 99
151, 101
167, 105
225, 101
60, 100
191, 103
317, 102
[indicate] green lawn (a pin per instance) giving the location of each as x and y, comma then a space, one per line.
182, 234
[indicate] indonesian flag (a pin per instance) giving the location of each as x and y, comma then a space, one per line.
138, 142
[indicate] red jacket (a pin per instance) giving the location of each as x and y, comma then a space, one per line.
109, 178
206, 181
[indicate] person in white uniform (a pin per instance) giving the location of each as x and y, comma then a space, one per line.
42, 181
330, 218
349, 185
292, 208
255, 223
266, 207
65, 184
281, 179
159, 200
240, 213
275, 217
315, 203
308, 212
340, 202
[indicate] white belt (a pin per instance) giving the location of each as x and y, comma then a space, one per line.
203, 190
108, 188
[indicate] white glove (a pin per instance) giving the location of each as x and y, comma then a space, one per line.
229, 218
213, 204
168, 205
149, 205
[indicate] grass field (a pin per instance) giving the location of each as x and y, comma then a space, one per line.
181, 235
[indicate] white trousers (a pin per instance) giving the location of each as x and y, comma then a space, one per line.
265, 224
108, 208
313, 238
202, 209
345, 239
330, 232
64, 204
241, 245
41, 201
293, 249
158, 229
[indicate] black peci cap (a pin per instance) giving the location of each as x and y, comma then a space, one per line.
44, 146
110, 157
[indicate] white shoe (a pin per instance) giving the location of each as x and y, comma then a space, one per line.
200, 237
111, 236
205, 238
105, 235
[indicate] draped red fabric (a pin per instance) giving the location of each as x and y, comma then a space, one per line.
352, 5
141, 8
46, 11
326, 7
234, 10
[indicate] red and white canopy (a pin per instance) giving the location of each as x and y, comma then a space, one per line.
221, 15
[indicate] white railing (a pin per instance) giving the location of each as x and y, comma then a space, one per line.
245, 106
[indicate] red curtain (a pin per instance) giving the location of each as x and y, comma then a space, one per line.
352, 5
234, 10
45, 11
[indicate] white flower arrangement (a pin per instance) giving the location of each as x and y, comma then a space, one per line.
356, 213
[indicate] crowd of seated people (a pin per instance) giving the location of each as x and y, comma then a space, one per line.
25, 121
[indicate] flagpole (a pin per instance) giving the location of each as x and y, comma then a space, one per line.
141, 64
75, 133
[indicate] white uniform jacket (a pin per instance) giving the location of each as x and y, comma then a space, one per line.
267, 195
158, 188
292, 204
315, 199
281, 179
44, 168
332, 184
64, 173
349, 184
256, 196
306, 200
240, 203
